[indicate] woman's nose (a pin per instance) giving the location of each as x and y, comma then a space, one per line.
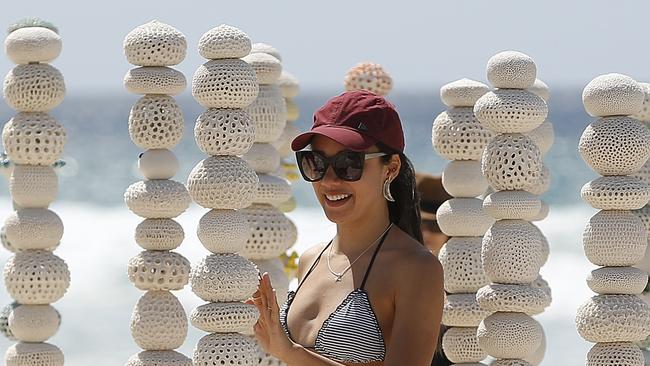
330, 177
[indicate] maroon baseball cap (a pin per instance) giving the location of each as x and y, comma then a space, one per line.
357, 120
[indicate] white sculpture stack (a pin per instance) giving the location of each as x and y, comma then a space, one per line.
458, 136
368, 76
159, 323
616, 146
512, 249
225, 184
33, 141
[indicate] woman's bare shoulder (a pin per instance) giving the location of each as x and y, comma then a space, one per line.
415, 260
308, 257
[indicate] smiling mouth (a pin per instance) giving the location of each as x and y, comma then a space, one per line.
337, 197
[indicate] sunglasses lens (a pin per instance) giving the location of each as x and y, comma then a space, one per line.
348, 165
312, 166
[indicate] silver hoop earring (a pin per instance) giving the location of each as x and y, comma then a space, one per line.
387, 195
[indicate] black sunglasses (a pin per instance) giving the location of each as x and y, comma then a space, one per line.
347, 165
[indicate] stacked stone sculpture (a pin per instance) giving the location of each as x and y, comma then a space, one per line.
33, 140
615, 146
458, 136
224, 183
512, 249
159, 323
368, 76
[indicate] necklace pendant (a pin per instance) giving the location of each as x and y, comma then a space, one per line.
338, 278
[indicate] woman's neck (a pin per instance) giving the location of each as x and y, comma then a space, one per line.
352, 238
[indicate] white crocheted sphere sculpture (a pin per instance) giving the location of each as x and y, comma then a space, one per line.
159, 270
226, 83
463, 178
34, 88
158, 322
224, 231
261, 47
462, 93
33, 44
509, 335
461, 261
33, 228
157, 199
616, 193
224, 132
33, 186
613, 318
454, 214
222, 182
543, 136
511, 162
458, 135
289, 85
462, 310
513, 205
269, 113
461, 346
511, 70
293, 111
543, 183
33, 138
224, 278
541, 89
616, 353
267, 68
368, 76
512, 298
156, 122
159, 234
34, 323
159, 358
614, 238
275, 268
33, 354
615, 145
644, 114
272, 190
263, 158
612, 95
224, 41
158, 164
510, 111
225, 317
155, 44
226, 349
271, 232
155, 80
36, 277
617, 280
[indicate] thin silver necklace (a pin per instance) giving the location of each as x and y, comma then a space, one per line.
339, 275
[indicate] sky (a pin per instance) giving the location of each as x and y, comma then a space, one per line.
422, 44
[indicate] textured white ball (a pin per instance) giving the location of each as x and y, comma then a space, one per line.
225, 349
543, 183
155, 44
36, 277
267, 68
644, 114
454, 215
223, 231
224, 317
515, 205
513, 298
616, 193
155, 80
156, 122
461, 346
275, 268
158, 164
224, 41
643, 173
222, 182
33, 186
289, 85
260, 47
612, 95
271, 232
511, 70
511, 162
159, 270
463, 178
33, 228
223, 278
614, 238
159, 234
613, 318
543, 136
458, 135
262, 157
34, 323
272, 190
224, 132
461, 262
283, 143
159, 358
509, 335
157, 199
32, 44
368, 76
158, 322
225, 83
617, 280
34, 88
541, 89
269, 113
462, 310
617, 353
33, 354
543, 212
293, 111
510, 111
462, 93
33, 138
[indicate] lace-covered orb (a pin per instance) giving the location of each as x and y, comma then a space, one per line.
224, 317
222, 182
643, 173
269, 113
224, 278
159, 234
541, 89
34, 323
158, 322
514, 205
33, 354
260, 47
33, 228
34, 88
461, 346
616, 193
224, 41
543, 212
461, 261
5, 312
289, 85
543, 183
510, 111
272, 190
33, 186
283, 144
159, 358
224, 231
511, 362
644, 114
543, 136
614, 238
454, 214
462, 310
509, 335
224, 132
512, 252
615, 145
33, 138
511, 70
463, 178
462, 93
617, 353
275, 268
458, 135
512, 298
156, 122
545, 247
226, 349
368, 76
33, 44
155, 44
612, 95
157, 199
263, 158
36, 277
271, 232
613, 318
617, 280
267, 68
159, 270
226, 83
155, 80
511, 162
158, 164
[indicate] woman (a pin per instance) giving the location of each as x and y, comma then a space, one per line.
373, 295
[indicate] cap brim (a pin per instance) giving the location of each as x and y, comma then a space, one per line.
351, 139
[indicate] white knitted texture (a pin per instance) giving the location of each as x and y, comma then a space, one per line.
509, 335
511, 162
644, 114
463, 178
541, 89
617, 280
512, 298
510, 111
543, 182
616, 193
226, 83
156, 122
269, 113
225, 349
34, 323
32, 44
271, 232
272, 190
275, 268
462, 310
511, 362
461, 262
224, 317
33, 138
224, 41
267, 68
283, 143
454, 214
224, 278
159, 358
36, 277
158, 164
33, 354
516, 205
289, 85
263, 158
612, 95
159, 234
260, 47
545, 246
536, 358
615, 145
155, 80
158, 322
5, 242
34, 88
643, 173
368, 76
159, 270
155, 44
543, 136
33, 186
542, 284
224, 132
512, 252
223, 231
614, 238
458, 135
157, 199
293, 111
33, 228
222, 182
613, 318
512, 70
617, 353
543, 212
462, 93
461, 346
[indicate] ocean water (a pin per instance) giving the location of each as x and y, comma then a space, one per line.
98, 239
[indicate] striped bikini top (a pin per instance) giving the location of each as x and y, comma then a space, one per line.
351, 333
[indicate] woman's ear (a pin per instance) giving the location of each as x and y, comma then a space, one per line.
394, 165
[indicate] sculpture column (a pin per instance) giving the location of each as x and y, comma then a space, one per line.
368, 76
